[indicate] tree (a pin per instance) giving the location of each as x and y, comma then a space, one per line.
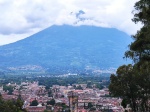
19, 102
90, 105
142, 12
34, 103
93, 109
124, 84
143, 81
51, 102
46, 111
0, 96
79, 87
140, 49
140, 52
99, 86
89, 84
134, 81
124, 103
11, 105
47, 87
50, 94
9, 89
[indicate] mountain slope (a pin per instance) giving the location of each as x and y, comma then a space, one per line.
68, 48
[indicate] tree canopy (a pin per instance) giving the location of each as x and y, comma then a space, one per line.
34, 103
132, 82
51, 102
11, 105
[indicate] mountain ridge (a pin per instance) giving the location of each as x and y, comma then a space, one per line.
68, 49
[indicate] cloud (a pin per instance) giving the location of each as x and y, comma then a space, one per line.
21, 18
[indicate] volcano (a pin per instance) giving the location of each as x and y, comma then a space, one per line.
65, 49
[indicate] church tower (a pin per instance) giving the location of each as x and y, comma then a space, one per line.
73, 101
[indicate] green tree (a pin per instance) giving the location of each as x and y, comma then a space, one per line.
45, 110
90, 105
19, 102
34, 103
79, 87
143, 81
136, 89
50, 94
11, 106
124, 103
51, 102
99, 86
89, 84
9, 89
140, 52
47, 87
124, 84
140, 49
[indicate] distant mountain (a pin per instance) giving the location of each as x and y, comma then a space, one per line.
64, 49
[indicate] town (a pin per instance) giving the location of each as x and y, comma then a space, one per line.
70, 98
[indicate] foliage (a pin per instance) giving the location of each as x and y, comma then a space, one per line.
50, 94
45, 110
79, 87
132, 82
142, 13
34, 103
90, 105
93, 109
64, 81
140, 48
11, 105
50, 81
89, 84
47, 87
99, 86
124, 103
64, 107
51, 102
8, 88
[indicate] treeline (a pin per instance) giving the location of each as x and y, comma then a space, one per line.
64, 81
99, 81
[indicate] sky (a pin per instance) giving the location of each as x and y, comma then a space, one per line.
21, 18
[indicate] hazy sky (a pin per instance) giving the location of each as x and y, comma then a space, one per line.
22, 18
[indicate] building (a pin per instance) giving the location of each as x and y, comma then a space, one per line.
73, 101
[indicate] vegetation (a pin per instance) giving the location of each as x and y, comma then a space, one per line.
90, 105
50, 81
64, 81
34, 103
79, 87
11, 105
51, 102
9, 89
132, 82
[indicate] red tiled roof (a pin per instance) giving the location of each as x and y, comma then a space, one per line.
35, 109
